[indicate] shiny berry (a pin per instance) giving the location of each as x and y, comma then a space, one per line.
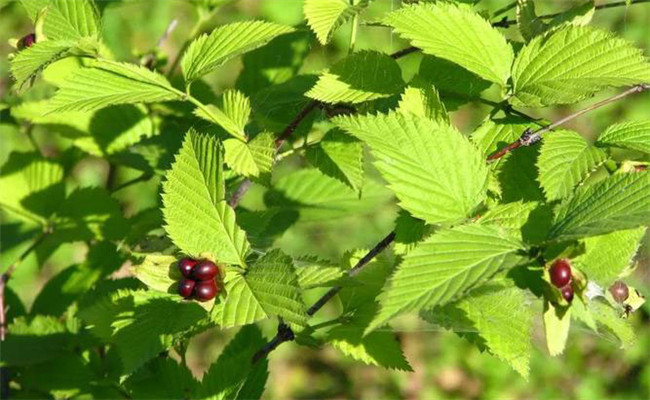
619, 291
560, 272
567, 293
205, 290
27, 41
186, 265
185, 287
205, 270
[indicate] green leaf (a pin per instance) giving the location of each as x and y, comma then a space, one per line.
268, 288
566, 160
159, 272
161, 378
580, 14
208, 52
616, 203
313, 272
607, 256
422, 99
518, 176
566, 66
557, 322
253, 159
530, 25
529, 221
35, 340
609, 319
340, 156
71, 19
444, 266
232, 113
198, 218
435, 29
492, 135
632, 135
317, 197
324, 17
433, 169
107, 83
32, 186
233, 376
34, 7
501, 316
376, 348
362, 76
32, 60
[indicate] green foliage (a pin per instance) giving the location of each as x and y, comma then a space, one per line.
340, 156
32, 60
325, 16
633, 135
565, 66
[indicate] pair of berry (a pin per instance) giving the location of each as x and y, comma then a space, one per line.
199, 279
560, 273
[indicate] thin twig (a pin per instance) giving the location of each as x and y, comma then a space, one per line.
530, 137
4, 278
144, 177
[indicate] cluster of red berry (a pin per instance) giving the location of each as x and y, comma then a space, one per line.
560, 273
199, 279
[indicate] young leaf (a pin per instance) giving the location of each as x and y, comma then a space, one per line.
208, 52
565, 66
253, 159
433, 169
325, 16
71, 19
633, 135
232, 115
458, 35
618, 202
28, 62
607, 256
444, 266
268, 288
107, 83
233, 376
159, 272
502, 318
362, 76
565, 160
376, 348
198, 218
422, 99
340, 156
557, 322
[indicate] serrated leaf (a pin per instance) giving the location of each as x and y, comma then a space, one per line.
607, 256
317, 197
557, 322
492, 135
633, 135
208, 52
518, 176
566, 66
35, 340
530, 25
71, 19
580, 14
198, 218
529, 221
313, 273
30, 61
252, 159
159, 272
325, 16
503, 319
106, 83
362, 76
444, 266
33, 7
233, 376
422, 99
232, 114
161, 378
377, 348
269, 288
435, 29
609, 319
565, 160
618, 202
433, 169
340, 156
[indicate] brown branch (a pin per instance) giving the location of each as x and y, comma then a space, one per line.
4, 278
529, 137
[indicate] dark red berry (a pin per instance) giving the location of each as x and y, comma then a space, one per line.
27, 41
619, 291
567, 293
185, 287
205, 290
186, 265
560, 272
205, 270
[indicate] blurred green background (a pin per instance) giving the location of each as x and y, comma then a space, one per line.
445, 365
